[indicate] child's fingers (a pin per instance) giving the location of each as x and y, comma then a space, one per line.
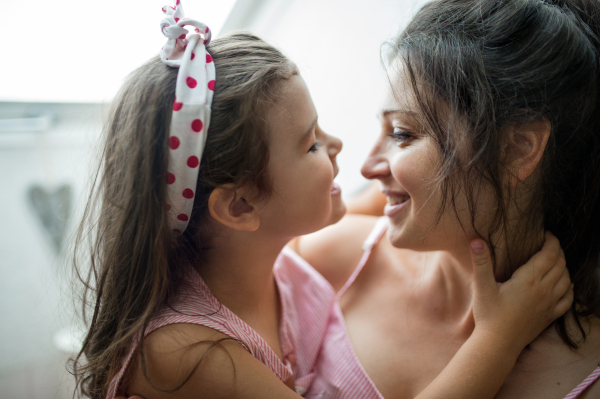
563, 284
556, 271
564, 303
548, 256
543, 261
483, 269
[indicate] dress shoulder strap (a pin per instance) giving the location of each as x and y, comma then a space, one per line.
585, 384
378, 230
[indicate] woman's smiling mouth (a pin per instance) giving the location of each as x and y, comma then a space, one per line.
395, 202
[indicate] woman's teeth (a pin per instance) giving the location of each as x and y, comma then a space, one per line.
397, 200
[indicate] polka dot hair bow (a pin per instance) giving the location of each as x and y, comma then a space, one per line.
191, 110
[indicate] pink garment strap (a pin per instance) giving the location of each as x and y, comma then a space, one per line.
584, 384
378, 230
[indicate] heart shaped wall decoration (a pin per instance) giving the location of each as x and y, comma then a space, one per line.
53, 208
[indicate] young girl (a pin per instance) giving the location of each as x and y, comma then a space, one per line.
193, 292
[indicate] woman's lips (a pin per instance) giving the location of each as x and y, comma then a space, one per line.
394, 204
335, 189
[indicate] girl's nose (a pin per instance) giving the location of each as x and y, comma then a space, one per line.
334, 146
376, 166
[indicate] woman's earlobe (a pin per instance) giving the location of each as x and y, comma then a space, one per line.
525, 147
227, 206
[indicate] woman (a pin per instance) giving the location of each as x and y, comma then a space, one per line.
491, 129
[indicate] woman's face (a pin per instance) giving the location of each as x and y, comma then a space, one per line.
302, 165
406, 161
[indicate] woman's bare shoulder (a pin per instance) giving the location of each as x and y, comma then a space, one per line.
336, 250
187, 360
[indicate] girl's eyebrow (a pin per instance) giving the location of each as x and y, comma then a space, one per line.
385, 112
308, 131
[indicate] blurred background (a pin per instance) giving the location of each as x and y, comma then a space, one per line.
63, 62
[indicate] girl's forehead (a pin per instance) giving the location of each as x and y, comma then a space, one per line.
293, 111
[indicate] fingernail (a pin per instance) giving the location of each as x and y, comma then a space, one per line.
477, 246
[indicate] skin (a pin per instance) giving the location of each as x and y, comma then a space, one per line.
411, 308
250, 233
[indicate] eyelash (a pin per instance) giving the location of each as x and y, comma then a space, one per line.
315, 147
401, 136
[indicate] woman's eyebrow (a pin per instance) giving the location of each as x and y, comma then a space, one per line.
304, 136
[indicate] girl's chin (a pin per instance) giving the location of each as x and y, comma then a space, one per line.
338, 210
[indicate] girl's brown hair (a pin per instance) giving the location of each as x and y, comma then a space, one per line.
487, 65
126, 255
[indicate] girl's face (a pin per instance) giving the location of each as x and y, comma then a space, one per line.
302, 166
406, 161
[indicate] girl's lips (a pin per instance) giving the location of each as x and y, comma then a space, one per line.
335, 189
391, 210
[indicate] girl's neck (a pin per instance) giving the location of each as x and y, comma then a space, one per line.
239, 272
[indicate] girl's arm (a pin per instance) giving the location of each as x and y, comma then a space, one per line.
507, 318
226, 370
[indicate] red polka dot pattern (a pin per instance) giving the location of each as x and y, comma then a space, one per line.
174, 142
191, 82
197, 125
188, 193
170, 178
194, 88
193, 161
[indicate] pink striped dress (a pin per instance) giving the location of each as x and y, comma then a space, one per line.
315, 347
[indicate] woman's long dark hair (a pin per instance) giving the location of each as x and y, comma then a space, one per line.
490, 64
127, 257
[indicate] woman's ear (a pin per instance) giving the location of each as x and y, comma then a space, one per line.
524, 149
230, 207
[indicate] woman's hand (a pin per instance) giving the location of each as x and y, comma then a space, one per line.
518, 310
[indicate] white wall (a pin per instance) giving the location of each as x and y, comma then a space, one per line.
336, 44
35, 297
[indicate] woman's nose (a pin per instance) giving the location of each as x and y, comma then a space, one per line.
376, 166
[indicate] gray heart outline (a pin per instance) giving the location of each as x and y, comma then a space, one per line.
53, 209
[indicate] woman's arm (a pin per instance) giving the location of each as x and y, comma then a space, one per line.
507, 317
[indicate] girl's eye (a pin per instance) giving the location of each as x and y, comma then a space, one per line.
315, 147
401, 136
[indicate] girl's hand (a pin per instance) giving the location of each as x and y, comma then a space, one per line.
517, 311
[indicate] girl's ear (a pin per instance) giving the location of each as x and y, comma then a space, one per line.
524, 149
229, 207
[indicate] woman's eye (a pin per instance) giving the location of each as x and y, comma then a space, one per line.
401, 136
315, 147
